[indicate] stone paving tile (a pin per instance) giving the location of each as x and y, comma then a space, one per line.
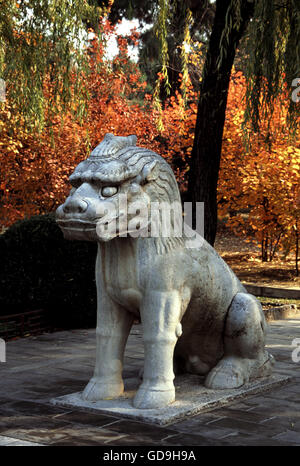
287, 393
239, 405
35, 428
289, 436
249, 416
135, 440
289, 419
13, 395
10, 422
286, 423
243, 439
203, 419
277, 408
78, 372
76, 442
246, 427
170, 440
85, 418
293, 388
266, 408
32, 396
65, 361
209, 432
292, 398
30, 408
8, 441
35, 434
191, 440
75, 372
41, 391
99, 435
202, 425
5, 399
156, 433
37, 365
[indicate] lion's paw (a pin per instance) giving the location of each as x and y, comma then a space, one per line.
147, 398
99, 389
228, 373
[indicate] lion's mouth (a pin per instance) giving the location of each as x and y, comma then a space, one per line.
76, 224
102, 228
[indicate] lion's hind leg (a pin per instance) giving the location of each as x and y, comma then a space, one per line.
245, 356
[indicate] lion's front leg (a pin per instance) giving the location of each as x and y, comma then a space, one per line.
160, 315
113, 327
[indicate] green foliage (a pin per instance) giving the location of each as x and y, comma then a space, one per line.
233, 20
44, 40
273, 57
41, 270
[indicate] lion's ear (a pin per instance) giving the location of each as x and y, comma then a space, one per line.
150, 172
132, 139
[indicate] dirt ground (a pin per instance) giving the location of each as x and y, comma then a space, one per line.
244, 259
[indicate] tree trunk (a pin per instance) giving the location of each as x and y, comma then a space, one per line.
297, 251
206, 153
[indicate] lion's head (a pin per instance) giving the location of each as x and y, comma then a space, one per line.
111, 189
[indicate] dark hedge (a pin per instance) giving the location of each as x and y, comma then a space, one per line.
39, 269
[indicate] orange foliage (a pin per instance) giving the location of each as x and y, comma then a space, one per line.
178, 131
258, 184
262, 181
35, 168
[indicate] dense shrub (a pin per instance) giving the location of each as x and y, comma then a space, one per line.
41, 270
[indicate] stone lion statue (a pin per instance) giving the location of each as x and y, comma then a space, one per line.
196, 315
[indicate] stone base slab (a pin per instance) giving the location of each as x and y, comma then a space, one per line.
192, 397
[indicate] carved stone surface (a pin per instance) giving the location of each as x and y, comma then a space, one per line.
194, 310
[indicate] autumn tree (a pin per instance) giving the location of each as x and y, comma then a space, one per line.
273, 32
35, 166
147, 13
39, 39
259, 187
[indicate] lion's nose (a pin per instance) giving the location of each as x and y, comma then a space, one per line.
75, 205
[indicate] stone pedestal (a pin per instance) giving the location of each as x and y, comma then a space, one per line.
192, 397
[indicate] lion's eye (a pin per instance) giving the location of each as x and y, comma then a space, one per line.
109, 191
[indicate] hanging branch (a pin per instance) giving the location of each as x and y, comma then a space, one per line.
42, 42
274, 59
161, 32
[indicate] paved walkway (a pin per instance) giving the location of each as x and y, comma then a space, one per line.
50, 365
